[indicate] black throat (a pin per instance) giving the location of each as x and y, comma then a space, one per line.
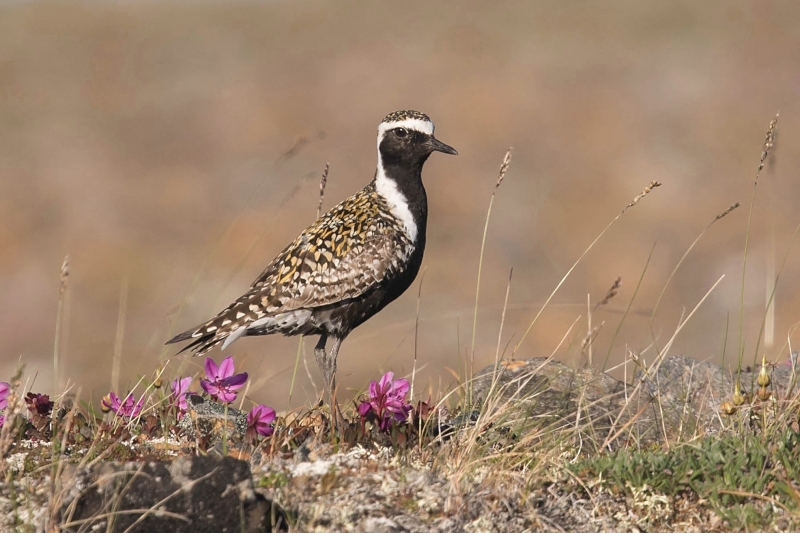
407, 177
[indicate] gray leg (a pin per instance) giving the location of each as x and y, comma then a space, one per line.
330, 363
327, 365
321, 357
330, 378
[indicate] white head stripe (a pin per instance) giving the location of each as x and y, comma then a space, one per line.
422, 126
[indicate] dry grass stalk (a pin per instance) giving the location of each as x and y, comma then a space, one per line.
629, 307
118, 338
323, 182
416, 333
503, 319
769, 141
720, 216
500, 177
771, 293
57, 345
652, 370
591, 332
636, 200
588, 340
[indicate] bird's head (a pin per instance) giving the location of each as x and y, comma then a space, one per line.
406, 137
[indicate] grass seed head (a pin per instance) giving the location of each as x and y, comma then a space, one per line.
504, 168
727, 211
611, 292
653, 184
769, 142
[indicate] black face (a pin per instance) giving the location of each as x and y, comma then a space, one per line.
410, 147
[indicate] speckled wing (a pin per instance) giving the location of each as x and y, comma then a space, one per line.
353, 247
350, 249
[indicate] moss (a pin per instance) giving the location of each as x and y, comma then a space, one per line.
273, 480
736, 474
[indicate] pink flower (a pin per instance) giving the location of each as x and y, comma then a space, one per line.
5, 388
180, 388
222, 383
259, 421
130, 408
387, 401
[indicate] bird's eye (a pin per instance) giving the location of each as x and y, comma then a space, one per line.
401, 132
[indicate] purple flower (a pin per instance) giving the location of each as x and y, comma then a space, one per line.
5, 388
259, 421
130, 408
364, 408
39, 404
387, 401
180, 388
222, 383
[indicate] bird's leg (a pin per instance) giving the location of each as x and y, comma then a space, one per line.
330, 380
327, 365
321, 357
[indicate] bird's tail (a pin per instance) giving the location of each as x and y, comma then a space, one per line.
230, 324
205, 336
226, 327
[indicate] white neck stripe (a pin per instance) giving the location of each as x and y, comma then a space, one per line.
397, 201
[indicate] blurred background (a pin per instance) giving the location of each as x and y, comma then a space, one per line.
172, 149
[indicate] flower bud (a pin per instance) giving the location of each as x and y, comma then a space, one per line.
763, 394
727, 408
105, 403
738, 397
763, 377
159, 381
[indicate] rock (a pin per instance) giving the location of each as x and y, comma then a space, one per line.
205, 419
690, 393
202, 494
543, 392
381, 525
681, 396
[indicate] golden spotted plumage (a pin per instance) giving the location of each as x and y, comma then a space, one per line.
350, 249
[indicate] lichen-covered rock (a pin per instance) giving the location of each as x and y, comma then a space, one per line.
205, 419
675, 398
542, 393
202, 494
688, 393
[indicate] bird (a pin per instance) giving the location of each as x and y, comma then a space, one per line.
347, 266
